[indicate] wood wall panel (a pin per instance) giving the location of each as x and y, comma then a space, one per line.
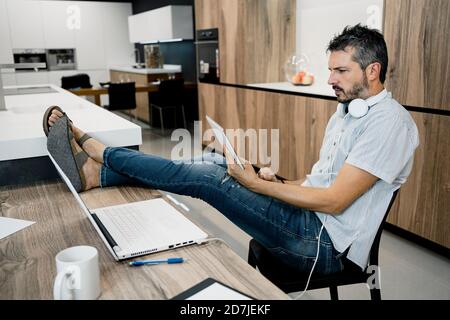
418, 40
301, 121
256, 37
207, 14
423, 205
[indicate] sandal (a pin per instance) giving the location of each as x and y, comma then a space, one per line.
46, 127
70, 161
47, 114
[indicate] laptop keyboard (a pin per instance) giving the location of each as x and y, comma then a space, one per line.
143, 226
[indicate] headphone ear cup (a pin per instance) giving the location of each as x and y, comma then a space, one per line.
358, 108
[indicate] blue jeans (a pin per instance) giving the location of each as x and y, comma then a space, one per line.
288, 232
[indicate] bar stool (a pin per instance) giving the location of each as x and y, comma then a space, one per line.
169, 96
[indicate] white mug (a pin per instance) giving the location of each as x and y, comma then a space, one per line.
78, 274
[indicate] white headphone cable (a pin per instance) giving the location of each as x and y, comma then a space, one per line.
314, 265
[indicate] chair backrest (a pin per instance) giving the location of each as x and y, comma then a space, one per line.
76, 81
373, 257
122, 96
170, 92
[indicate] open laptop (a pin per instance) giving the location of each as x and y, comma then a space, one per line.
223, 140
139, 228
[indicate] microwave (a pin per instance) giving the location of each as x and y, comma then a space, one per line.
30, 56
61, 59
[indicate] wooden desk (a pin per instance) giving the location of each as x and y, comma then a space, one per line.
27, 257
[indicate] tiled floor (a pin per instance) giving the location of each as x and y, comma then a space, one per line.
408, 271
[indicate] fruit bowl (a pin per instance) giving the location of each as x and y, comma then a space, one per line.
296, 71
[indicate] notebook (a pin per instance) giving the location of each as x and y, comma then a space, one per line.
139, 228
223, 140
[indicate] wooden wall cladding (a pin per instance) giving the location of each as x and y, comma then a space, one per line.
207, 14
418, 40
301, 121
256, 37
423, 204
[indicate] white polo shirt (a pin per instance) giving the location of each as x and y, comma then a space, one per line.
381, 143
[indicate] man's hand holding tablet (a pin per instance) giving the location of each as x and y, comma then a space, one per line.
239, 169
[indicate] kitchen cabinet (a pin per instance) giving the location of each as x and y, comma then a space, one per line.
9, 79
27, 78
256, 37
423, 204
417, 37
207, 14
25, 22
5, 47
89, 39
118, 49
58, 31
166, 23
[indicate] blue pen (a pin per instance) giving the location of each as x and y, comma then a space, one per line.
152, 262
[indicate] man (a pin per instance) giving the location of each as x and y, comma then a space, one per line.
367, 153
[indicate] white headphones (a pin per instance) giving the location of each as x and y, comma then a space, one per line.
358, 108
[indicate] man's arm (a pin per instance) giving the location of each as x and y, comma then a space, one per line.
349, 185
295, 182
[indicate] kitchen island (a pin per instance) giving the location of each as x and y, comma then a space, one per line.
23, 150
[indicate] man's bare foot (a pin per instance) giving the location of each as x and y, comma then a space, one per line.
91, 169
92, 147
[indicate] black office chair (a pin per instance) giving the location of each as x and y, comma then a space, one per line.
122, 96
169, 96
76, 81
289, 280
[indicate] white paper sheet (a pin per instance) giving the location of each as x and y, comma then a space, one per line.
9, 226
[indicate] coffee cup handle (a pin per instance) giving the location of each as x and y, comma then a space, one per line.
60, 281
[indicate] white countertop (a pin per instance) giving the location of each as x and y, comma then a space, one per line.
168, 68
316, 89
21, 133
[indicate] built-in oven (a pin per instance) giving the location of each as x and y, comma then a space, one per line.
61, 59
30, 56
208, 67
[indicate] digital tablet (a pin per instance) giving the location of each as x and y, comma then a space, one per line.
223, 140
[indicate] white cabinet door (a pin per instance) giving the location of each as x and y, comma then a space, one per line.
89, 37
96, 76
9, 79
5, 41
25, 22
59, 23
118, 49
54, 77
27, 78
